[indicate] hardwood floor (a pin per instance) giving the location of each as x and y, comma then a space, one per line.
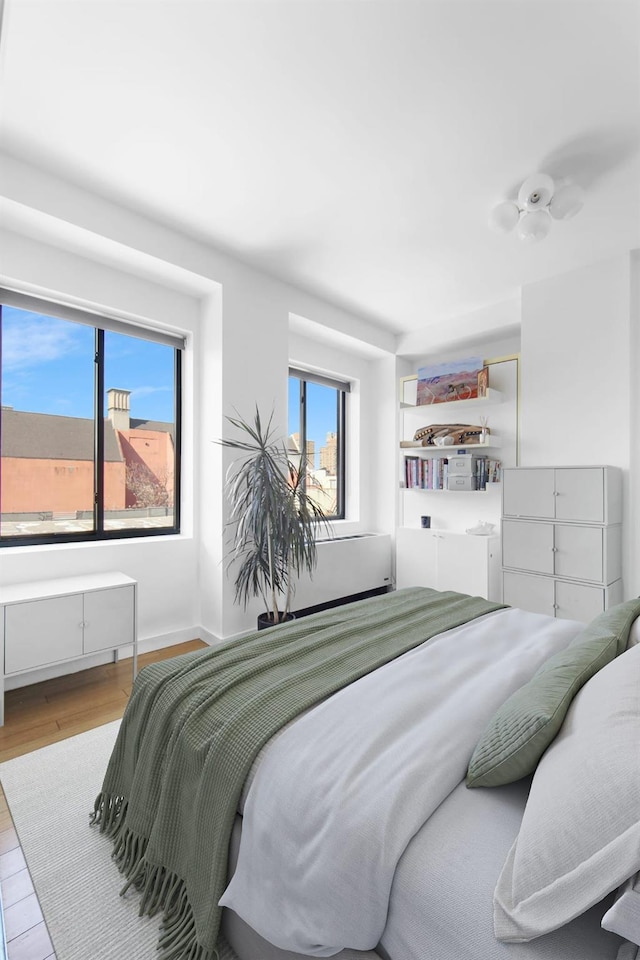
36, 716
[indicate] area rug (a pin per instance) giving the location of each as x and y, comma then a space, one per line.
50, 794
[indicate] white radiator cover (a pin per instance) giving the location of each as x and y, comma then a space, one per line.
346, 566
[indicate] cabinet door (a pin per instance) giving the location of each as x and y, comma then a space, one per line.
579, 553
528, 493
580, 494
578, 601
108, 618
527, 546
38, 632
528, 593
463, 564
416, 552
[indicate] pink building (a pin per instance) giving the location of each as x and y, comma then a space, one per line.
48, 461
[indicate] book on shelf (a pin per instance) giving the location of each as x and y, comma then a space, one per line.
487, 471
422, 473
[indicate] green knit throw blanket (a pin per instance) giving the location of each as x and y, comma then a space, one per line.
194, 725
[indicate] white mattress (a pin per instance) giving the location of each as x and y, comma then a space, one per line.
442, 894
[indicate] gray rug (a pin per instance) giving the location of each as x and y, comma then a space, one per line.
50, 794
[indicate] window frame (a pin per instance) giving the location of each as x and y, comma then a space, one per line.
100, 324
342, 388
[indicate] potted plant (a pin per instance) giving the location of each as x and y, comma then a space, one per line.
274, 519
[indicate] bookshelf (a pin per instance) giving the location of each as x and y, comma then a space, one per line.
448, 449
429, 467
445, 556
498, 409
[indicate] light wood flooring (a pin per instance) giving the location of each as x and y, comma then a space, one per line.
36, 716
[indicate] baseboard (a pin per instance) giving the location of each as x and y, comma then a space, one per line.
168, 640
210, 638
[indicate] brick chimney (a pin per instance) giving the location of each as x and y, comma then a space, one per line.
118, 408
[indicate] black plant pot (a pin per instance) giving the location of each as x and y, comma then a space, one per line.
265, 620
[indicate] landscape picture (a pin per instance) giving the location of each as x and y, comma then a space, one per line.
450, 380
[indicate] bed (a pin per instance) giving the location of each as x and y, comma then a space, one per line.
353, 833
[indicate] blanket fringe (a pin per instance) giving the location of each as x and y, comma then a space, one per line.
178, 939
109, 813
160, 889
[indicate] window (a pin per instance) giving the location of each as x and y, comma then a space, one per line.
89, 426
317, 437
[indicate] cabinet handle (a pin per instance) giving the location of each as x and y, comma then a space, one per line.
555, 606
553, 549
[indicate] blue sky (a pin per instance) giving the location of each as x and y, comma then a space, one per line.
47, 367
321, 412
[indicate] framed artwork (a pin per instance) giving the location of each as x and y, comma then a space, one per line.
451, 380
483, 381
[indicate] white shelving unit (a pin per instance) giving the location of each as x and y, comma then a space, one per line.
46, 622
412, 415
444, 556
448, 449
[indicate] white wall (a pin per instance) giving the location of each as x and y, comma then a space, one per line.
166, 568
483, 328
579, 379
68, 244
361, 417
383, 439
575, 367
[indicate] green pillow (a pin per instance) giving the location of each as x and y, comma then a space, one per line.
524, 726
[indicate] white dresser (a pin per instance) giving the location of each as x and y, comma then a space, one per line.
448, 560
562, 540
46, 622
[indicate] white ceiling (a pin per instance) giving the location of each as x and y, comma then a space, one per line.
352, 147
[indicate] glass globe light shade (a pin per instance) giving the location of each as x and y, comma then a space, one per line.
534, 226
566, 202
505, 216
535, 192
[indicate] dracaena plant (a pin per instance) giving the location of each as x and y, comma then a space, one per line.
274, 520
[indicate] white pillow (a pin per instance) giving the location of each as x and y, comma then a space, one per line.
623, 917
580, 833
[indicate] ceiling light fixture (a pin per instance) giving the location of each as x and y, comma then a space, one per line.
539, 200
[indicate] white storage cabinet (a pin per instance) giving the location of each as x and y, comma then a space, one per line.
445, 560
562, 540
52, 621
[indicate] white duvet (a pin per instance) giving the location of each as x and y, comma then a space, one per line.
338, 795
